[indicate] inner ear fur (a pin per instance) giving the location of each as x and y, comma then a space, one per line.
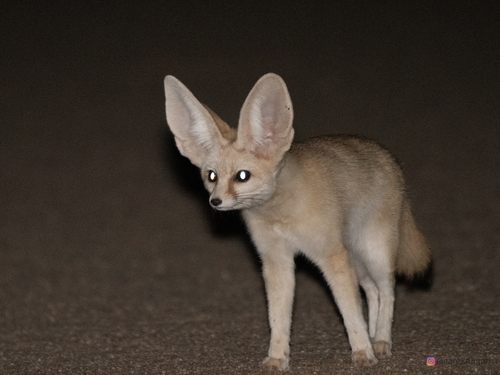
265, 125
195, 128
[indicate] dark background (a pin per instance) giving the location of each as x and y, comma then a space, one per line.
111, 261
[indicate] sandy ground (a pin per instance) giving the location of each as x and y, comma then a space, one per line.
113, 263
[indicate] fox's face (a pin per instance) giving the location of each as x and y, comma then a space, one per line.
237, 179
238, 168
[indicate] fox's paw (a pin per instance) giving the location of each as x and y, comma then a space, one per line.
382, 349
275, 364
364, 358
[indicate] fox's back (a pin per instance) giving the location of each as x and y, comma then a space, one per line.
356, 170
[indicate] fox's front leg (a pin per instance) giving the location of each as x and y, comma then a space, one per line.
342, 280
279, 277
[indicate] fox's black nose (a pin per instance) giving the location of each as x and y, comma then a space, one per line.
215, 202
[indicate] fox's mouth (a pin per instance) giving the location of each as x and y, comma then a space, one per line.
219, 205
219, 208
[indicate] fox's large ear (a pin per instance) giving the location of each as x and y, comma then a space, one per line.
265, 125
195, 131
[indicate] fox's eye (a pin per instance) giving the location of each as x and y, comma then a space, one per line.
242, 176
212, 176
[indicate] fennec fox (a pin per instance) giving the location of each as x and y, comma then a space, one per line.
339, 200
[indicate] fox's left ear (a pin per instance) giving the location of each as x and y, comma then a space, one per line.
265, 125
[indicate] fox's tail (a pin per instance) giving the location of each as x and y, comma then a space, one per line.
414, 255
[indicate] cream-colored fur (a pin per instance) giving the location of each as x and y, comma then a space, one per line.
339, 200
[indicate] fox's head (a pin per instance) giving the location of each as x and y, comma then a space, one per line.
239, 167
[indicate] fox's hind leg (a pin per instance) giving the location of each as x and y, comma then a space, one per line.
371, 293
376, 249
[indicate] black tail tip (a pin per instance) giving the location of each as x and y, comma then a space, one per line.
420, 281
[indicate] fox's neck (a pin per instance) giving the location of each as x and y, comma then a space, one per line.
287, 176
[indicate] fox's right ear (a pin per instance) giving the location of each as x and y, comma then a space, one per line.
195, 131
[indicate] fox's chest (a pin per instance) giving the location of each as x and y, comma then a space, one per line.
298, 233
287, 229
302, 218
